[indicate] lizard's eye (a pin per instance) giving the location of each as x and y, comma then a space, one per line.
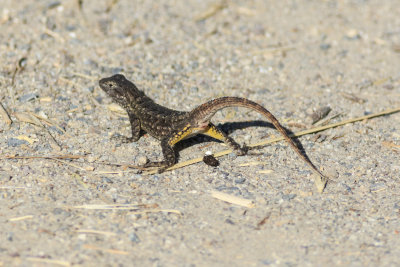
115, 88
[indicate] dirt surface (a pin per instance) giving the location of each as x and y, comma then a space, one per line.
293, 57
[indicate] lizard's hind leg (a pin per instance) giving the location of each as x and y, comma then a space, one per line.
216, 133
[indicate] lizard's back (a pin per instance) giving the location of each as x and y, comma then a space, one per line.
157, 120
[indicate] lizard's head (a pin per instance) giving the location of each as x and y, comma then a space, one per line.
113, 85
117, 87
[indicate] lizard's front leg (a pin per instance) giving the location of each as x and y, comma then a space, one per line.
135, 128
169, 157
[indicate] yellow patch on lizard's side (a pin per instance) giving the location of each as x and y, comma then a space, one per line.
213, 132
185, 133
189, 131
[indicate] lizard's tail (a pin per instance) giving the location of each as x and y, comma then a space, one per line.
203, 113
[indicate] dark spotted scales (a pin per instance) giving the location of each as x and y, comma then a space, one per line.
171, 126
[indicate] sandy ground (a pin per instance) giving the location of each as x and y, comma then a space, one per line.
293, 57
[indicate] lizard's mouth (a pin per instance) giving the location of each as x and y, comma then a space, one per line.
109, 87
103, 83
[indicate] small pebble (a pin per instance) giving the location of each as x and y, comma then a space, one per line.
107, 180
320, 113
325, 46
289, 196
14, 142
134, 238
28, 97
5, 176
352, 34
240, 180
10, 236
229, 221
141, 160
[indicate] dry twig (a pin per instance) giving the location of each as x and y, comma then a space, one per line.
211, 11
233, 199
5, 115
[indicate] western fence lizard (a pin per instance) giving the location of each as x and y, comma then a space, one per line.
171, 126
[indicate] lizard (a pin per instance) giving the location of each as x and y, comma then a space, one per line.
171, 126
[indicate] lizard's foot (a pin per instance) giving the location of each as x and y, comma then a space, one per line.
161, 169
154, 164
169, 157
161, 165
124, 139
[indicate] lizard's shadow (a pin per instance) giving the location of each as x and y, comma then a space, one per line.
228, 128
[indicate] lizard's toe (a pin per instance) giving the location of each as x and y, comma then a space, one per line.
241, 151
159, 164
161, 169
